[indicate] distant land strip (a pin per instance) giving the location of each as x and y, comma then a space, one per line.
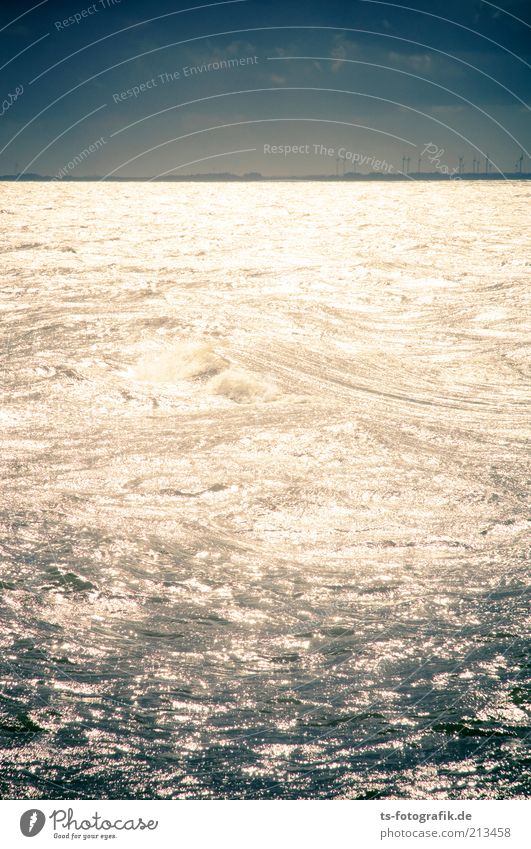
256, 177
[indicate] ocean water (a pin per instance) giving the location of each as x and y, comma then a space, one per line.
264, 484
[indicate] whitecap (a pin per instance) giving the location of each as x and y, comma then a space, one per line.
242, 386
183, 360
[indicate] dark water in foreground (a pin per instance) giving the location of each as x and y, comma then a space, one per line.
264, 485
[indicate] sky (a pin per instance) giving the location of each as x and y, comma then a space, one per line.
135, 89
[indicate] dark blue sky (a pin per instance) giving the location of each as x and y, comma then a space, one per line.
378, 81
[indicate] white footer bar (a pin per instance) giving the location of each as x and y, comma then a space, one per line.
265, 825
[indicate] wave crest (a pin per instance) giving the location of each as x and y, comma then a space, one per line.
242, 386
183, 360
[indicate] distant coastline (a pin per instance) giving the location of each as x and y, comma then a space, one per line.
256, 177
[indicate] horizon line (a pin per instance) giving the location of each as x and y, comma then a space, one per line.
258, 177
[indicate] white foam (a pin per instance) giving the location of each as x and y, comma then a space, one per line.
242, 386
491, 315
181, 361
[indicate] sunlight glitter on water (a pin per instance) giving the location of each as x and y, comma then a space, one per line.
264, 491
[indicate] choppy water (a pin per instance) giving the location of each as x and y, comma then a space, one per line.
264, 479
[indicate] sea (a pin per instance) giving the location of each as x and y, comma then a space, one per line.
264, 490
